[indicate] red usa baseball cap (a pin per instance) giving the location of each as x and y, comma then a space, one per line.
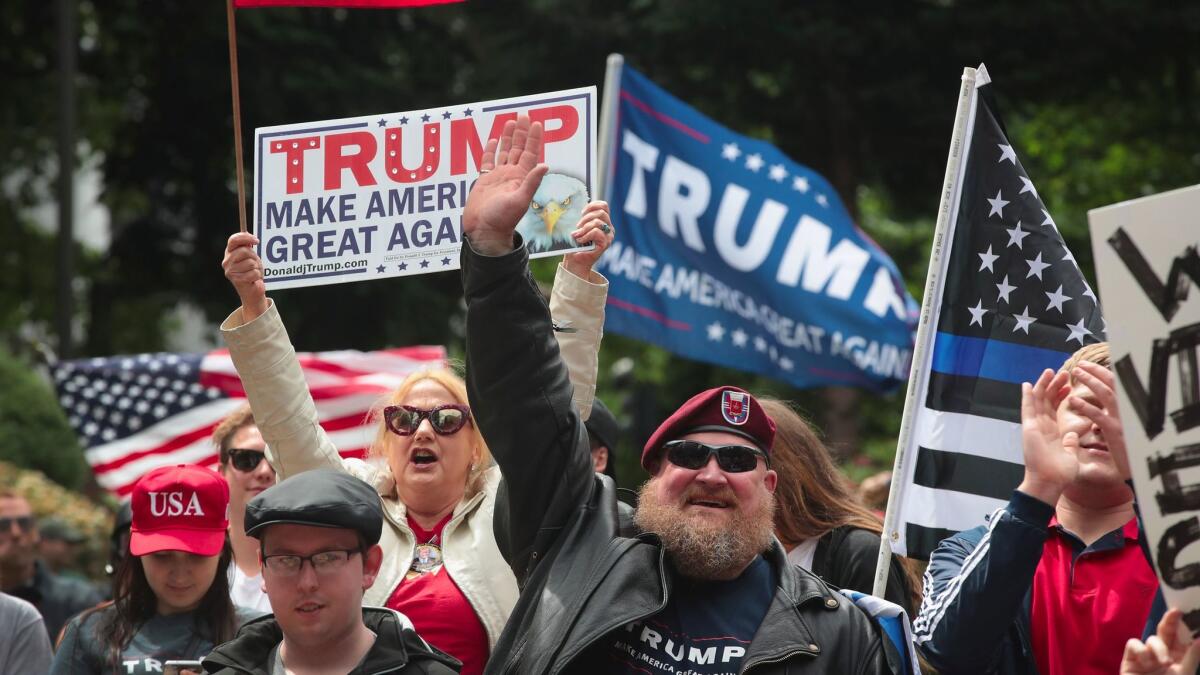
179, 508
726, 409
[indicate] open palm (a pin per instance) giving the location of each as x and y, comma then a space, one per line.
1047, 462
510, 175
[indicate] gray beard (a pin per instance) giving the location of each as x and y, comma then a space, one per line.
705, 550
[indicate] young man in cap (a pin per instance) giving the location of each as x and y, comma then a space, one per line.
705, 588
319, 533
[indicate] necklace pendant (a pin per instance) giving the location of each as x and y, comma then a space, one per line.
426, 558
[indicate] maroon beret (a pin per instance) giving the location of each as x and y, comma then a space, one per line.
726, 409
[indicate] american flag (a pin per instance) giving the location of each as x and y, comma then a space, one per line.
135, 413
1011, 303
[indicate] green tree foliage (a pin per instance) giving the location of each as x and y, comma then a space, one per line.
33, 429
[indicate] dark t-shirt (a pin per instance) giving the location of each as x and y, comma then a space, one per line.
705, 628
160, 639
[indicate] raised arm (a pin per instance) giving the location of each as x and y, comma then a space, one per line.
518, 386
271, 375
577, 304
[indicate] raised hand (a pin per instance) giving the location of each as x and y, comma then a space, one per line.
1171, 651
595, 227
244, 270
509, 176
1100, 381
1049, 467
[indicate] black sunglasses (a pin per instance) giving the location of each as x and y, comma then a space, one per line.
23, 522
245, 460
404, 420
731, 458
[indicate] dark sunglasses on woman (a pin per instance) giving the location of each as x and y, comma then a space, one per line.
404, 420
694, 455
245, 460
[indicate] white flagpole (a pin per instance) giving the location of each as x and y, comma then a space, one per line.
609, 101
925, 327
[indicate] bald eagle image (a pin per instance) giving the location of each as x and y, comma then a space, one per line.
553, 213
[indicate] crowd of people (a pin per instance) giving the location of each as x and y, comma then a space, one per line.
485, 533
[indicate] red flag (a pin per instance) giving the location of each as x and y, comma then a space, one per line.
371, 4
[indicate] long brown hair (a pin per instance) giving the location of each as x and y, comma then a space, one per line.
813, 497
134, 603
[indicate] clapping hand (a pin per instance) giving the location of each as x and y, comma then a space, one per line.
1170, 651
1049, 467
1100, 381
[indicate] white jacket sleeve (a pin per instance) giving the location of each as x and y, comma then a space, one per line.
577, 307
278, 393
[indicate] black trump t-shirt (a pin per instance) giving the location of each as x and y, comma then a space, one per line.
705, 629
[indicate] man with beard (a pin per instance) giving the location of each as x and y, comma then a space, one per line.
704, 587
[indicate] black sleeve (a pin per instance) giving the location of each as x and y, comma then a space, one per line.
521, 397
851, 561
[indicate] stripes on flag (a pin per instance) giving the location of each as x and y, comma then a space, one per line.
1011, 302
136, 413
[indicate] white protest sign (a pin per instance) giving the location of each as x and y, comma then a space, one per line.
1147, 266
382, 195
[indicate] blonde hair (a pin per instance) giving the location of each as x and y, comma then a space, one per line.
381, 446
1094, 353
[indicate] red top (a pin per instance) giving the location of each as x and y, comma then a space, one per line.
1088, 601
439, 610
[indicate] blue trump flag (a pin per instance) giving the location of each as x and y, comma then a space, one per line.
729, 252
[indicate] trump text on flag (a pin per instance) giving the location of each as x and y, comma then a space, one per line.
727, 251
382, 195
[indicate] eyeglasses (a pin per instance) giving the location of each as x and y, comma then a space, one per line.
325, 562
245, 460
731, 458
404, 420
23, 522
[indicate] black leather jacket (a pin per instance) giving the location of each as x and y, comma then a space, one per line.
557, 522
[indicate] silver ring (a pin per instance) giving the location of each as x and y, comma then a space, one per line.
605, 228
483, 171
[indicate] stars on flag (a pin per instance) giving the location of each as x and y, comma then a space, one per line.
1016, 236
977, 313
1028, 187
1006, 152
998, 205
1078, 331
1057, 298
1036, 266
987, 258
1023, 321
777, 173
1004, 289
730, 151
800, 184
754, 162
716, 332
1041, 266
822, 199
